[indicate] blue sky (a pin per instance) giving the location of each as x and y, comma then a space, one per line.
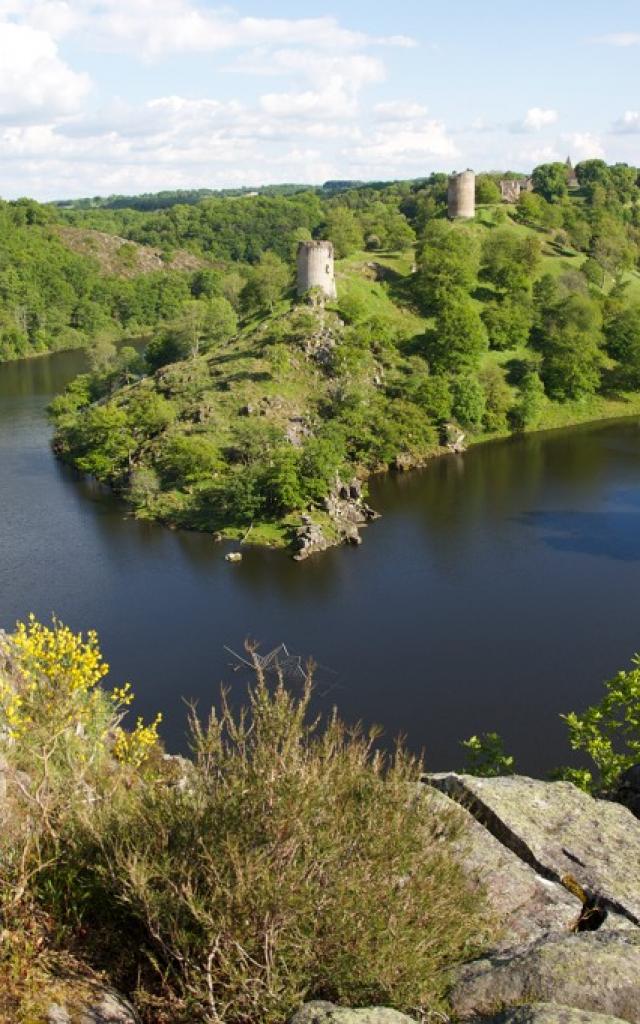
103, 96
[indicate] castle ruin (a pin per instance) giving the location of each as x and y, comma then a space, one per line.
461, 196
512, 188
315, 268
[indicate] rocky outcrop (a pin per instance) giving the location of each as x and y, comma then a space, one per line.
525, 905
591, 971
561, 832
321, 1012
309, 539
348, 513
453, 438
83, 1002
547, 1013
543, 851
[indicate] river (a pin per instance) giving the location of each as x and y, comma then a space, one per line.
499, 589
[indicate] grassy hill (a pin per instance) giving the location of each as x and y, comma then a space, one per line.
253, 434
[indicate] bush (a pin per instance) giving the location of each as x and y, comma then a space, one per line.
469, 400
295, 863
62, 747
608, 732
285, 861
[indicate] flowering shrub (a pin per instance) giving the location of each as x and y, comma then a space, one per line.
50, 690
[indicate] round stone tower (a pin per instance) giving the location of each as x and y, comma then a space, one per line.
315, 268
461, 196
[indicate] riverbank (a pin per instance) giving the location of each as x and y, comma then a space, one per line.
597, 410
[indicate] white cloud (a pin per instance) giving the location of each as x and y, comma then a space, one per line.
399, 110
391, 149
531, 156
619, 39
584, 146
175, 142
628, 124
153, 28
35, 83
336, 83
536, 118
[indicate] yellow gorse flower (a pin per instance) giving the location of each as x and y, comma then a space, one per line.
133, 748
56, 687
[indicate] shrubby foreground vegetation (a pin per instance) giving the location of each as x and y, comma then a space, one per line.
288, 859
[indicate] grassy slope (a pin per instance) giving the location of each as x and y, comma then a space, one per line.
352, 280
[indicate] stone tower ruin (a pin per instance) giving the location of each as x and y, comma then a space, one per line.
315, 268
461, 196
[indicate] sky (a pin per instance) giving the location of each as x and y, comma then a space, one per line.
125, 96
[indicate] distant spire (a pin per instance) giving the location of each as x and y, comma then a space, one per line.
569, 164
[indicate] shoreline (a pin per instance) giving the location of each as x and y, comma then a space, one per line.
273, 529
280, 535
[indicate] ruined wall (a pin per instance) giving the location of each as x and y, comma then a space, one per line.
315, 268
512, 188
461, 195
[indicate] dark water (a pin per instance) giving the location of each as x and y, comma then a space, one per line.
498, 590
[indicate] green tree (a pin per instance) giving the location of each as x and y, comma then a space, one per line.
459, 337
572, 356
344, 230
188, 460
608, 732
469, 400
150, 413
510, 262
267, 282
487, 757
321, 460
622, 333
143, 488
551, 181
508, 323
432, 392
449, 259
221, 322
611, 247
104, 442
169, 345
281, 483
531, 401
498, 399
487, 191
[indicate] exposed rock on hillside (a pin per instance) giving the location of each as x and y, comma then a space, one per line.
348, 513
320, 1012
561, 832
595, 971
122, 258
548, 1013
83, 1002
526, 905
